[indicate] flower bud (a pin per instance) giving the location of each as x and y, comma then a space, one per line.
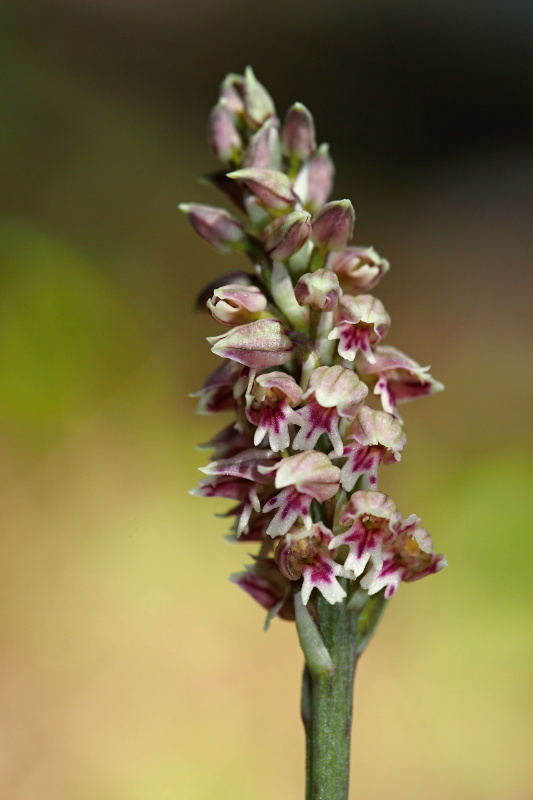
258, 105
298, 133
332, 226
359, 268
287, 234
264, 149
224, 138
215, 225
314, 182
236, 276
234, 304
232, 91
319, 290
259, 344
273, 188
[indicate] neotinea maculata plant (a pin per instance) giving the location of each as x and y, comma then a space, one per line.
314, 398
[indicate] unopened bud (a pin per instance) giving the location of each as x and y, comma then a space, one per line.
235, 305
264, 149
287, 234
224, 138
258, 105
237, 276
215, 225
314, 182
332, 226
273, 188
298, 133
232, 91
259, 344
359, 268
319, 290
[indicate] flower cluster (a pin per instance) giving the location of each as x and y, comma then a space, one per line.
302, 364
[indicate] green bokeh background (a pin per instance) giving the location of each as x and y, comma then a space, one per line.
131, 669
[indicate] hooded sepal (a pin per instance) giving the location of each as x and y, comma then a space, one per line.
264, 148
286, 235
258, 104
235, 304
272, 188
216, 226
319, 290
359, 269
332, 226
260, 344
222, 133
314, 182
298, 133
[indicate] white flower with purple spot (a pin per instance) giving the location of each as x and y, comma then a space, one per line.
372, 518
408, 556
304, 553
361, 322
376, 437
302, 478
333, 393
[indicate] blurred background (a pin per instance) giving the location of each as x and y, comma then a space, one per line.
131, 669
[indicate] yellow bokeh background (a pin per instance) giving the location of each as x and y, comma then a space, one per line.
131, 669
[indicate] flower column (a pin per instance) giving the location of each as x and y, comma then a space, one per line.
303, 372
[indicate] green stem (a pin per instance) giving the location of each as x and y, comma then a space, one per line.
327, 694
327, 700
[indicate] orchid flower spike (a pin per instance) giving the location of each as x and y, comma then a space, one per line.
303, 370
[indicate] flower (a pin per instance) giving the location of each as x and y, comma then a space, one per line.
408, 556
333, 393
302, 478
376, 438
359, 269
361, 322
271, 399
371, 517
319, 289
263, 581
304, 553
397, 377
